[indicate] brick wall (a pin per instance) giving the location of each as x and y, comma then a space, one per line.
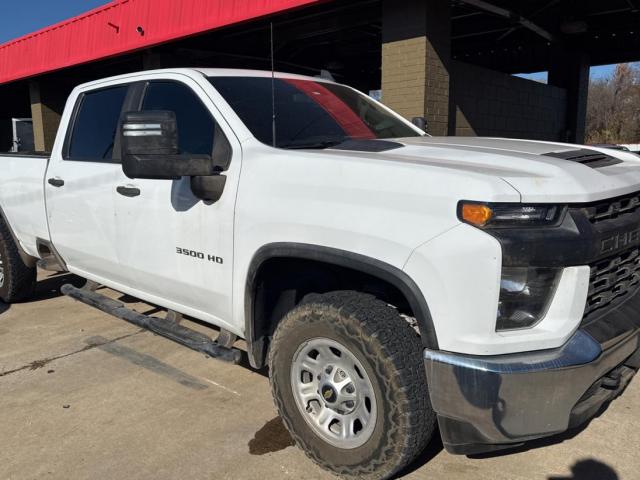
404, 76
489, 103
416, 43
47, 104
415, 82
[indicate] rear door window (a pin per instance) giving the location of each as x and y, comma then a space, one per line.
96, 124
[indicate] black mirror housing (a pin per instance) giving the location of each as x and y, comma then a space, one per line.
150, 148
209, 188
421, 123
149, 133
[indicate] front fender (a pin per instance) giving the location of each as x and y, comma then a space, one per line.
256, 345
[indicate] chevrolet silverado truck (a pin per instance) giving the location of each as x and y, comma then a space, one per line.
390, 280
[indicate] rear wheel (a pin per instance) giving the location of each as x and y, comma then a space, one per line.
17, 280
348, 380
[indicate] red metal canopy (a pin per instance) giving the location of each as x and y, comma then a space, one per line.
124, 26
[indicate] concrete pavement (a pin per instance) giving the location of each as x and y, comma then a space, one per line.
84, 395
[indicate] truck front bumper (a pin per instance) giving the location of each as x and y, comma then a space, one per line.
490, 403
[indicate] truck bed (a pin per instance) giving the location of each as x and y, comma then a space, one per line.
26, 154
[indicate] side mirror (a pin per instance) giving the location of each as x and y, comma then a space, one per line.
421, 123
150, 148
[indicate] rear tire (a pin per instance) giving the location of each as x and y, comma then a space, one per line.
17, 280
348, 380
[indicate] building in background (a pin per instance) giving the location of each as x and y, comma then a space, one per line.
451, 61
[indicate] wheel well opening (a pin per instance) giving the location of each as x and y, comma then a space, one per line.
281, 283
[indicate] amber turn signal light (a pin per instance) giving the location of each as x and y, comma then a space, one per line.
476, 214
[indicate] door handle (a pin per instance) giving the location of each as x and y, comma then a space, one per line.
56, 182
128, 191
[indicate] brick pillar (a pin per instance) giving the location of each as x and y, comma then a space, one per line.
416, 57
47, 105
570, 70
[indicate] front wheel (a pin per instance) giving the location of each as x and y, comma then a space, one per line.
349, 383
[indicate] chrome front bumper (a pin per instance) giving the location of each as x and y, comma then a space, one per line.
489, 403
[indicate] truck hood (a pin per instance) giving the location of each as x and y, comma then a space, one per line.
539, 171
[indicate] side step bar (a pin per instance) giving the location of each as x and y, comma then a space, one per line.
166, 328
50, 264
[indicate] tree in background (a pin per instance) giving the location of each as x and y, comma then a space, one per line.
613, 111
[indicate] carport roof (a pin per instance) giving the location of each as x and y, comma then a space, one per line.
519, 35
123, 26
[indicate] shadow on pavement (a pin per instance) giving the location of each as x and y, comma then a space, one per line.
244, 363
147, 362
272, 437
125, 298
50, 286
590, 470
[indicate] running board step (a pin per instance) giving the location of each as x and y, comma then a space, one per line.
166, 328
50, 260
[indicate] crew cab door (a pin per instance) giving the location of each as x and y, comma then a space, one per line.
175, 247
80, 185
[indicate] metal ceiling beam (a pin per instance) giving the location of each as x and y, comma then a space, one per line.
511, 15
609, 12
534, 14
478, 34
633, 5
466, 15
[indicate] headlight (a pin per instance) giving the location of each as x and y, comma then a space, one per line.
513, 215
525, 294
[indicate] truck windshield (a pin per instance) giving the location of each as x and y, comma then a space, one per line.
309, 114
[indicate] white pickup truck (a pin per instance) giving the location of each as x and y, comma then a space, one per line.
390, 280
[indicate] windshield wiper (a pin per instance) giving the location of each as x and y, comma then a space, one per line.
321, 145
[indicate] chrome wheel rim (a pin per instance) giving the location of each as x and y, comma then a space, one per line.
1, 271
333, 393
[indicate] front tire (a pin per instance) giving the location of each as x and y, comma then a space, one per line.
348, 380
17, 280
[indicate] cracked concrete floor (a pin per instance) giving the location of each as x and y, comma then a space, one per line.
84, 395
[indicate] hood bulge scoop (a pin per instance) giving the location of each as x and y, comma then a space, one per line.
587, 157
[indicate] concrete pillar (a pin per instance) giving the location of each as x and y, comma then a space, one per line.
416, 57
47, 105
570, 70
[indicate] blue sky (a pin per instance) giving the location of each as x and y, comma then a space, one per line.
596, 72
25, 16
20, 18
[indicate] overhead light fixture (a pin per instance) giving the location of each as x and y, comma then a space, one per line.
574, 27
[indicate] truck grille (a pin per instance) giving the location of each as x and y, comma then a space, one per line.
613, 208
613, 278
